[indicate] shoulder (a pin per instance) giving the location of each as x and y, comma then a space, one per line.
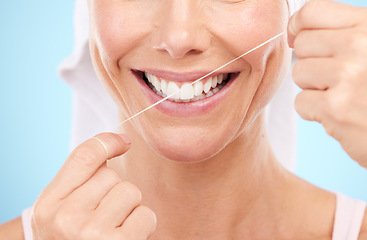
12, 230
363, 232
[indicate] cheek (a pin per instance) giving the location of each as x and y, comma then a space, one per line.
250, 25
118, 29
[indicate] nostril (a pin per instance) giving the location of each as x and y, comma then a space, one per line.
164, 47
181, 38
194, 52
177, 52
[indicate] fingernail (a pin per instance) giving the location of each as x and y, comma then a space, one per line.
291, 39
290, 31
125, 138
291, 26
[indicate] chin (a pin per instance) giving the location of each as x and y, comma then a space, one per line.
188, 147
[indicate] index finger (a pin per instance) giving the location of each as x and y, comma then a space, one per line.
85, 160
323, 14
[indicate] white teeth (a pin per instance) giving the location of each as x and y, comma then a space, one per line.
149, 77
187, 91
195, 98
159, 93
154, 81
199, 88
220, 78
209, 94
172, 88
164, 85
208, 85
202, 96
157, 84
214, 82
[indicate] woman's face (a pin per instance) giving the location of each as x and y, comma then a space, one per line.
171, 43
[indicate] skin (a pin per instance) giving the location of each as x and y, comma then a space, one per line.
114, 54
333, 77
233, 187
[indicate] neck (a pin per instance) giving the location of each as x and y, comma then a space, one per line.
212, 199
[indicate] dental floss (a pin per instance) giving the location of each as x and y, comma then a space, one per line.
219, 68
104, 146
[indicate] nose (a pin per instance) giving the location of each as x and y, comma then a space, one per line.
181, 29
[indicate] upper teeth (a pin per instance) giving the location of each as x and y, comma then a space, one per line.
187, 92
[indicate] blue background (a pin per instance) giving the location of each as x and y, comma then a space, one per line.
36, 110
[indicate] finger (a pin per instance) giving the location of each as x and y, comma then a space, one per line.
140, 224
330, 43
84, 161
316, 73
323, 14
309, 104
90, 194
318, 43
118, 204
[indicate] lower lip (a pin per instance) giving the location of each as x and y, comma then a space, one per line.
185, 109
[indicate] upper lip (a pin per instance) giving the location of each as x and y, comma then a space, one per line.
180, 77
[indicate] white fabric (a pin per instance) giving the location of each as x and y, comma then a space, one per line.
26, 221
94, 111
349, 214
295, 5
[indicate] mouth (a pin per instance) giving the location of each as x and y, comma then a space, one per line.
188, 99
185, 91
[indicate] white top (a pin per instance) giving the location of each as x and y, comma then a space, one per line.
349, 215
348, 219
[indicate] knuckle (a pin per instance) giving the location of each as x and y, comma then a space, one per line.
307, 11
129, 190
148, 217
62, 222
348, 71
125, 236
337, 107
298, 103
40, 215
328, 129
63, 217
357, 41
297, 73
342, 72
83, 158
109, 175
113, 140
147, 213
297, 46
42, 209
89, 231
301, 44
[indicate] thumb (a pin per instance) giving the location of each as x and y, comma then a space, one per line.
85, 160
292, 30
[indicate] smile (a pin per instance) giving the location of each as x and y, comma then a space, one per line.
188, 92
188, 99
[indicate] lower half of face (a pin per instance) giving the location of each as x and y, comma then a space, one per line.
142, 56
